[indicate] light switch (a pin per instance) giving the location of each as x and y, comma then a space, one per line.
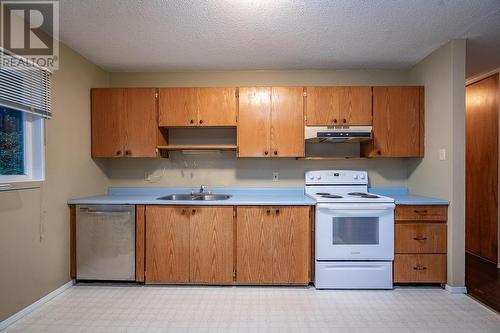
442, 154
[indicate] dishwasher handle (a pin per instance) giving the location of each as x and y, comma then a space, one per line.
104, 212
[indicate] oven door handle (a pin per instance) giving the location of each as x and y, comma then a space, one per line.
356, 213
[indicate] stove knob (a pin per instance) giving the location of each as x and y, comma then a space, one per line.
318, 177
311, 177
355, 176
362, 176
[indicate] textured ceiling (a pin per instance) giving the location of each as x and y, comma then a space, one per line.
154, 35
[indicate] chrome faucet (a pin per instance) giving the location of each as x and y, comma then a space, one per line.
202, 191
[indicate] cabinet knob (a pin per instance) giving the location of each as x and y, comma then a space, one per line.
334, 121
128, 152
419, 238
191, 121
379, 152
277, 211
201, 121
266, 153
268, 211
420, 268
119, 152
275, 152
345, 121
183, 212
193, 211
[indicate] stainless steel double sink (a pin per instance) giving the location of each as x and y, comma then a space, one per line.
195, 197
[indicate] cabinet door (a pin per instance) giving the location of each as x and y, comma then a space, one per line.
254, 245
140, 122
211, 245
291, 245
217, 106
108, 110
254, 122
320, 107
178, 106
355, 105
397, 122
287, 122
167, 244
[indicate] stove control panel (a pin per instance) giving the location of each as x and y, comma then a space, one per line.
336, 177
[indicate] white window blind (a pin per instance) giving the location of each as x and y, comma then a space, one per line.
24, 86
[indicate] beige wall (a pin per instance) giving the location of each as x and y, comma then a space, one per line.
225, 169
34, 233
443, 74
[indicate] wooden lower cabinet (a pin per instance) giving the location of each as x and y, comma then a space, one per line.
273, 245
420, 268
189, 244
420, 244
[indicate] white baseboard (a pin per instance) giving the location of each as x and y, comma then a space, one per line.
456, 290
33, 306
498, 266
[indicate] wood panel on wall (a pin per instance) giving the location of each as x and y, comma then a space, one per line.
140, 242
482, 107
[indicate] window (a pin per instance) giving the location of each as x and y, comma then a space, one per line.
21, 146
25, 101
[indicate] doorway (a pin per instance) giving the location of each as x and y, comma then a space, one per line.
482, 276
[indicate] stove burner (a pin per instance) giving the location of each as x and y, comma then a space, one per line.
359, 194
370, 196
322, 193
332, 196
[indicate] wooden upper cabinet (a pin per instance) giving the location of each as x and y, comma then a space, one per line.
141, 124
217, 106
167, 244
108, 113
254, 128
287, 122
185, 107
271, 122
327, 106
177, 106
124, 122
398, 122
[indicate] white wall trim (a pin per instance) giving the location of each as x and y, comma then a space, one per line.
18, 315
498, 266
481, 76
456, 290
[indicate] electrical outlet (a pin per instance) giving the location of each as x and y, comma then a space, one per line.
276, 176
442, 154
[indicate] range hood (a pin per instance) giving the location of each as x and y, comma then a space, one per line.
338, 134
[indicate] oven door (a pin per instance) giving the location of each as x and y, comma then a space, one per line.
355, 231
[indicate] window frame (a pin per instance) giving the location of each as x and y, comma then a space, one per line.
34, 150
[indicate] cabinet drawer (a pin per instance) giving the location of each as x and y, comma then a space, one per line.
421, 213
430, 268
420, 238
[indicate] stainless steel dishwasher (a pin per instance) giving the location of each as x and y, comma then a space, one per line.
105, 242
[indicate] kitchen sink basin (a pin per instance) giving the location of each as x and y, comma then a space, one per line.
196, 196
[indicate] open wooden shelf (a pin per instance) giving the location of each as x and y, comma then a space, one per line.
198, 147
337, 158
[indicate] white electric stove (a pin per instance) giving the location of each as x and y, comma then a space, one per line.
354, 231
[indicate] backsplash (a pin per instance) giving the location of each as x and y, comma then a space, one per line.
224, 169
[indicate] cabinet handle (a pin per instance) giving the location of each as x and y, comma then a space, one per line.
379, 152
193, 211
128, 152
420, 268
419, 238
191, 121
334, 121
201, 121
275, 152
266, 153
268, 211
277, 211
420, 211
119, 152
345, 121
